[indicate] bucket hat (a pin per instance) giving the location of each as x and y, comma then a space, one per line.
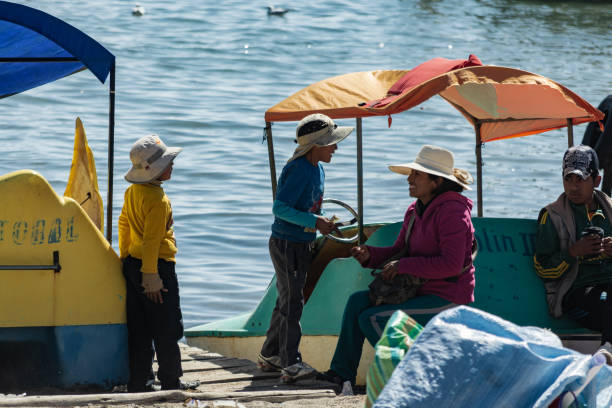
150, 157
581, 160
317, 130
437, 161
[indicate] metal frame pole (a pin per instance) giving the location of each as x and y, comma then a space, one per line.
570, 132
111, 155
359, 182
271, 158
479, 167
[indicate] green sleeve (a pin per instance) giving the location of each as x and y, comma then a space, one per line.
549, 260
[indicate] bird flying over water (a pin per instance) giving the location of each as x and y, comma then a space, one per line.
276, 11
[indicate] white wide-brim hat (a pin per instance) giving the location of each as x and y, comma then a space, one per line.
317, 130
150, 158
437, 161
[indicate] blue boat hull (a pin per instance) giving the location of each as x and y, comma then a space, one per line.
63, 356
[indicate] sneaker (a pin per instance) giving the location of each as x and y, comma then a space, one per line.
347, 388
152, 387
182, 385
149, 387
606, 350
297, 371
269, 364
330, 376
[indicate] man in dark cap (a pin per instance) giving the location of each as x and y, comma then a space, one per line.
574, 246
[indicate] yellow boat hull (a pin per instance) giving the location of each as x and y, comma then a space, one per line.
75, 317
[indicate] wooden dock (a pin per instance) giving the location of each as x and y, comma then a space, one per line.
221, 379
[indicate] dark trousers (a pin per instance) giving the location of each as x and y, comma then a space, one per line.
291, 262
159, 324
592, 308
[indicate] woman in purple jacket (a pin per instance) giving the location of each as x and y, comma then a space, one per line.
440, 243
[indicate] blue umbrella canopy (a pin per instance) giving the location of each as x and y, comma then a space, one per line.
37, 48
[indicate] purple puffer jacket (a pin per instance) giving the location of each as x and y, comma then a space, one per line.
440, 247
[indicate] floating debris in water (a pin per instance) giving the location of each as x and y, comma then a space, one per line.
138, 10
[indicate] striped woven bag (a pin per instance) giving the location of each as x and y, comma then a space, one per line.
397, 337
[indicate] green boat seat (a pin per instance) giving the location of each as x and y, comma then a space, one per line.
506, 285
506, 282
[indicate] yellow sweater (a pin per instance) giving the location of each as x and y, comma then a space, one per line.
145, 226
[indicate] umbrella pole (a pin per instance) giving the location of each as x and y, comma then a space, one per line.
271, 158
570, 133
359, 183
111, 155
479, 167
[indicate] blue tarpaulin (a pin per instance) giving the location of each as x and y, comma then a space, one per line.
469, 358
32, 37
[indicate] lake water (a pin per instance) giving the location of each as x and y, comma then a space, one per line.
201, 75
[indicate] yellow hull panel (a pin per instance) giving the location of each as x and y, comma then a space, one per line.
34, 222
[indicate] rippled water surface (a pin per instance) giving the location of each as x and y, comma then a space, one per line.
201, 75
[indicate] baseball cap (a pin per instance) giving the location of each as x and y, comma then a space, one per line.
581, 160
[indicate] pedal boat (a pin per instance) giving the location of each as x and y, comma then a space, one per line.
62, 297
506, 284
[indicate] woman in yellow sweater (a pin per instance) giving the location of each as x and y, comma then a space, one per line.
147, 247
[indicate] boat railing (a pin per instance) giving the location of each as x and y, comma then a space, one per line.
56, 267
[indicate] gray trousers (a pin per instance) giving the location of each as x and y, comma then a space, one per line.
291, 262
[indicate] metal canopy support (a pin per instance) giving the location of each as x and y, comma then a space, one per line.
570, 132
268, 131
479, 167
359, 182
271, 158
111, 155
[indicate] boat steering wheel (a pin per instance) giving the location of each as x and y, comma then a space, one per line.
341, 239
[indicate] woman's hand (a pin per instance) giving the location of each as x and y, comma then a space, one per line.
361, 254
390, 270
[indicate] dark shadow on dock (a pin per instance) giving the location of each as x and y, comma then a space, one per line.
220, 377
